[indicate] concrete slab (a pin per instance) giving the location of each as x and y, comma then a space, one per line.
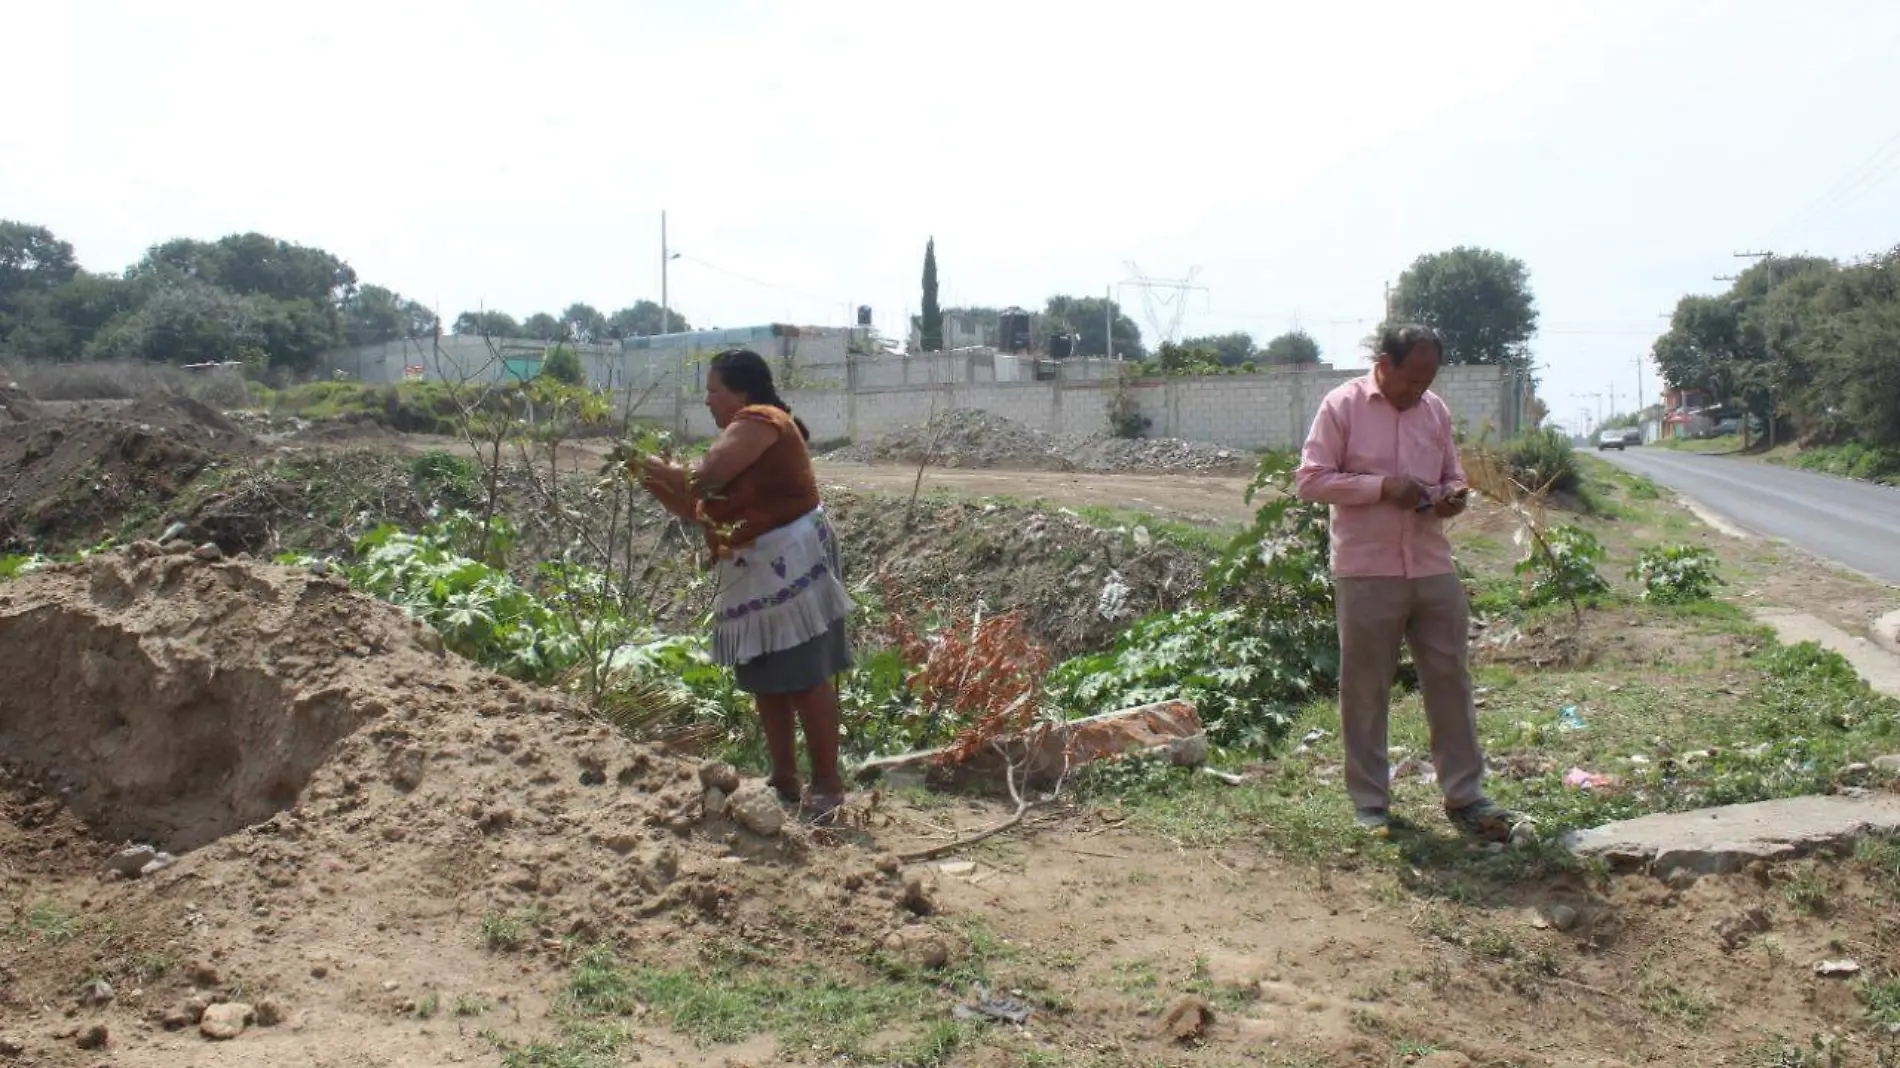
1879, 667
1715, 841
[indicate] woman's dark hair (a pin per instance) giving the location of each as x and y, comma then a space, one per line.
746, 373
1397, 340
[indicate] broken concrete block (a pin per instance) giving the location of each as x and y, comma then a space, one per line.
1717, 841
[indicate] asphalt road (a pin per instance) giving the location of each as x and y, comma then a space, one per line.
1852, 523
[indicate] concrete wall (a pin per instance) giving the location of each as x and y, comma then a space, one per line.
1246, 411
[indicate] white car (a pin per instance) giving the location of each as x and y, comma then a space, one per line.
1610, 439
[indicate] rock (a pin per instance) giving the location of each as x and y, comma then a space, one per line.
1887, 631
1887, 765
157, 864
715, 802
172, 533
1562, 917
957, 867
269, 1013
97, 994
888, 864
225, 1021
922, 947
757, 810
1837, 969
206, 974
176, 547
916, 897
131, 861
1444, 1058
11, 1046
208, 551
719, 775
1187, 1018
94, 1037
1718, 841
177, 1020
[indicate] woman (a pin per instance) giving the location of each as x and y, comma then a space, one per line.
781, 607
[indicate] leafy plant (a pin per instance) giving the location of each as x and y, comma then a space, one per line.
1676, 574
1124, 413
1262, 643
1561, 565
982, 674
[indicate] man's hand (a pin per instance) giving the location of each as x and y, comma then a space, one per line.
1451, 504
1404, 492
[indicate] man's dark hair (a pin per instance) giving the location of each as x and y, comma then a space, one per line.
1397, 340
746, 373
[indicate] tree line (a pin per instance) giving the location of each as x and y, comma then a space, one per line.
1807, 344
1479, 300
249, 298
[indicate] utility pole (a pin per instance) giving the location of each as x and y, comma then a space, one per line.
1613, 412
1108, 322
664, 257
1639, 385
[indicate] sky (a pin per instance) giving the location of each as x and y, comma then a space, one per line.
1294, 157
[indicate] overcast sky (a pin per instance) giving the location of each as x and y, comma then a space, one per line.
518, 155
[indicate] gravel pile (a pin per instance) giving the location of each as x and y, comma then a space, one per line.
968, 437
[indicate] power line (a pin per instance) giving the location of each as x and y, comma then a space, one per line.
1856, 178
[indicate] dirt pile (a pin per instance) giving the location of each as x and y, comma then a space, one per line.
77, 477
968, 437
358, 815
16, 404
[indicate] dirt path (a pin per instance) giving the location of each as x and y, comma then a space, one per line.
1205, 499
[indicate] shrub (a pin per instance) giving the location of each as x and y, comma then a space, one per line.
1560, 565
1541, 458
1676, 574
1262, 643
564, 366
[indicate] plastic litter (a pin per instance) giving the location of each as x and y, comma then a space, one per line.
1580, 779
1569, 719
1008, 1010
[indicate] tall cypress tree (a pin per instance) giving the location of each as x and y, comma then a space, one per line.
932, 325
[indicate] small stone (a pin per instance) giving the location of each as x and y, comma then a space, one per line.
1837, 969
208, 551
206, 974
94, 1037
888, 864
715, 802
1562, 917
1187, 1018
318, 971
623, 842
11, 1046
923, 947
757, 810
269, 1013
957, 868
177, 1020
1887, 765
97, 994
130, 861
157, 864
172, 533
917, 897
225, 1021
719, 775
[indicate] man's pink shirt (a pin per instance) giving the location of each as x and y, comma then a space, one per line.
1359, 439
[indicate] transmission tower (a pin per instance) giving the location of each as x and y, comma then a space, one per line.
1164, 296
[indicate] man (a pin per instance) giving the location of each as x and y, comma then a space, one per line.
1381, 454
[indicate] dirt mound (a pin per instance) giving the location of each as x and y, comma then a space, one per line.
77, 477
348, 799
969, 437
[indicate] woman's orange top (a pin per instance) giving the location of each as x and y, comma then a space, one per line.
774, 490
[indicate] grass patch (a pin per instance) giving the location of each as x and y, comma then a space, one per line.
506, 932
1193, 538
48, 923
1882, 1001
743, 993
1852, 460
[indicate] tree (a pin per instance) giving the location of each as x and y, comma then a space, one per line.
1186, 358
543, 327
251, 265
57, 324
189, 322
487, 324
373, 315
1293, 348
564, 365
643, 319
1087, 317
583, 323
32, 260
1480, 301
932, 314
1232, 350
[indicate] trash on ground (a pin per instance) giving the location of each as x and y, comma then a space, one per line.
1569, 719
1836, 969
1580, 779
1008, 1010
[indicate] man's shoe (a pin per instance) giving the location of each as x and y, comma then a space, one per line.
1376, 822
1485, 820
